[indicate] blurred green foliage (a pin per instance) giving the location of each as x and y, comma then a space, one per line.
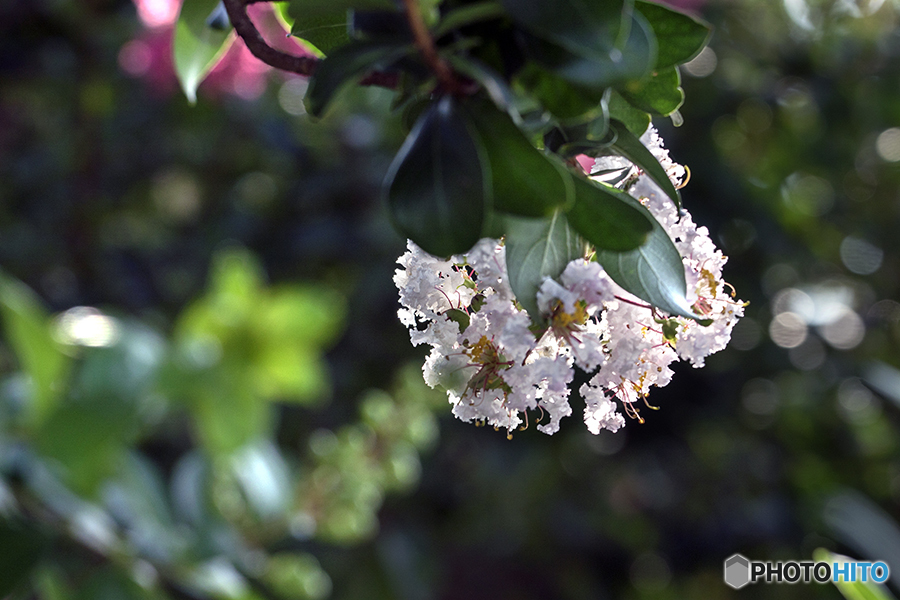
160, 446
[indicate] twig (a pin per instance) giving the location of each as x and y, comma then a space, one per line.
301, 65
246, 30
627, 301
425, 44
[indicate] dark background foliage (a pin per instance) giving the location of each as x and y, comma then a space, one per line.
116, 194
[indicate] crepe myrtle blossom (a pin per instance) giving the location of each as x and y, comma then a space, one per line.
497, 365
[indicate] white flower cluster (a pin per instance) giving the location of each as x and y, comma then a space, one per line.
497, 365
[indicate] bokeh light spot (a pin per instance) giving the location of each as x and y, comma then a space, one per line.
157, 13
86, 326
290, 96
888, 144
860, 256
136, 58
845, 332
703, 65
807, 194
788, 330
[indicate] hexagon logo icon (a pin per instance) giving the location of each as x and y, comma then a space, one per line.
737, 571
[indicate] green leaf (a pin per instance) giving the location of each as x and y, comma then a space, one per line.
467, 15
323, 32
526, 181
607, 218
586, 29
227, 413
629, 146
283, 12
27, 328
653, 272
680, 36
634, 119
438, 187
344, 65
632, 59
567, 102
535, 249
323, 23
660, 93
196, 46
88, 440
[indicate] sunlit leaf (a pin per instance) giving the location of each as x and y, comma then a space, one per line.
607, 217
535, 249
27, 329
634, 119
324, 23
228, 414
680, 36
660, 93
653, 272
197, 47
526, 181
439, 186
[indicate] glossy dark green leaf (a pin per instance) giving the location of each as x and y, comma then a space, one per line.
629, 146
27, 330
438, 187
653, 272
631, 59
323, 23
567, 102
535, 249
584, 28
526, 181
606, 217
323, 32
660, 93
467, 15
634, 119
345, 65
680, 36
196, 47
